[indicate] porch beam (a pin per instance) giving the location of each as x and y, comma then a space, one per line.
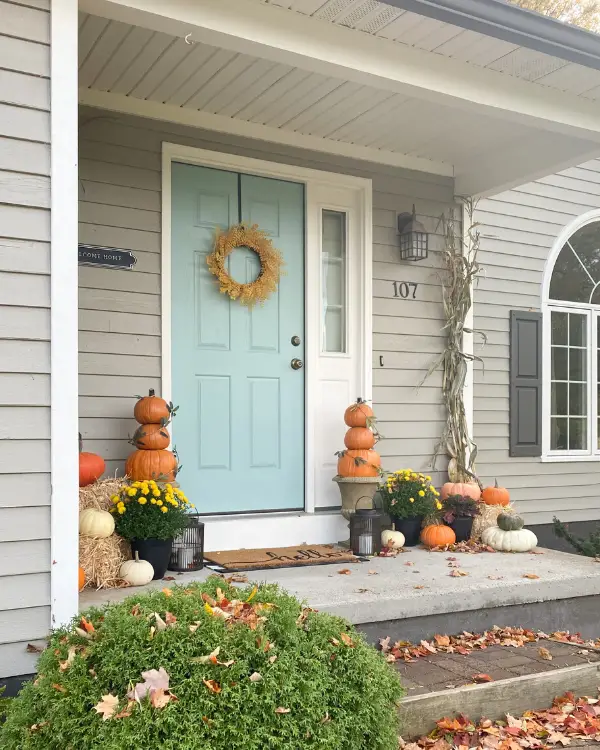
244, 129
291, 38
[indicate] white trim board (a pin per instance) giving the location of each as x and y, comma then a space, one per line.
592, 312
64, 457
244, 129
323, 190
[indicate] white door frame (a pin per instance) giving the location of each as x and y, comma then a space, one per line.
313, 180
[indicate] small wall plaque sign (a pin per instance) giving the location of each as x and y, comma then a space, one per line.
106, 257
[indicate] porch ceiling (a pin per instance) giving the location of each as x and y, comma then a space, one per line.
141, 69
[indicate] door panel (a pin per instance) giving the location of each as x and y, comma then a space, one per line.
240, 428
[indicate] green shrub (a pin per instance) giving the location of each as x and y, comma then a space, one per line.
333, 691
589, 547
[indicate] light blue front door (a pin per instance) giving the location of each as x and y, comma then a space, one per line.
239, 431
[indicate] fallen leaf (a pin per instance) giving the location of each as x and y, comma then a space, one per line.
495, 578
107, 706
545, 654
384, 644
167, 592
344, 572
213, 686
418, 587
537, 552
168, 578
154, 679
409, 564
282, 710
64, 665
373, 573
255, 677
532, 576
237, 578
441, 640
362, 591
554, 738
482, 678
33, 649
455, 573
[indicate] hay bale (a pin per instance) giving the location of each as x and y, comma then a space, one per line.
102, 558
488, 517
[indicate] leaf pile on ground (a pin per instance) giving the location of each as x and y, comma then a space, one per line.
470, 547
211, 667
466, 643
569, 718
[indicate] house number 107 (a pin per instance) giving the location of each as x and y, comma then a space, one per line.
405, 289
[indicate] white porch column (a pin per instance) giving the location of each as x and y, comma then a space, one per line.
64, 515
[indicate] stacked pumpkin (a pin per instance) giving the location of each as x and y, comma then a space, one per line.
152, 460
359, 459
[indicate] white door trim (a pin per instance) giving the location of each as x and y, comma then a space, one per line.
64, 458
312, 179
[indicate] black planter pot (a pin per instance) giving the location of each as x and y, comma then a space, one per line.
155, 551
411, 528
462, 528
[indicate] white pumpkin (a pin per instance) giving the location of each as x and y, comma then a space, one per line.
96, 523
521, 540
136, 572
393, 539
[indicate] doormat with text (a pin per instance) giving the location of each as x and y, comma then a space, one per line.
280, 557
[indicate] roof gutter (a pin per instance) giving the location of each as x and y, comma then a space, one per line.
524, 28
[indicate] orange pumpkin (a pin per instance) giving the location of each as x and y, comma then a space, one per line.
358, 414
437, 535
470, 489
496, 495
358, 463
81, 578
158, 465
359, 438
151, 437
91, 466
151, 409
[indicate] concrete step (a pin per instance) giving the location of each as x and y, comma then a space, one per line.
493, 700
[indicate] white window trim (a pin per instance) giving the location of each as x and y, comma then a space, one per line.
593, 313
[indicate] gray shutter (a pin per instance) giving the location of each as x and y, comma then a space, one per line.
525, 383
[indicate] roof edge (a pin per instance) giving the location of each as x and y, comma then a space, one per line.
513, 24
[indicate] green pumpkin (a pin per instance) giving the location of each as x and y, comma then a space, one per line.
510, 522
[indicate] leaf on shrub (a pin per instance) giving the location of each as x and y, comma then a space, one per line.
545, 654
86, 625
154, 679
170, 619
194, 626
33, 649
159, 622
346, 640
126, 712
272, 659
37, 727
334, 641
532, 576
344, 572
212, 657
208, 609
107, 706
167, 592
213, 686
159, 698
64, 665
253, 593
282, 710
326, 719
302, 617
255, 677
60, 688
135, 610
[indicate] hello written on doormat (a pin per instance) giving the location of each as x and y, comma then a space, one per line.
279, 557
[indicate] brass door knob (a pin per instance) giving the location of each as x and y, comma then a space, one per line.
297, 364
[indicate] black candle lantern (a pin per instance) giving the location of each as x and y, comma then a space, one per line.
414, 239
365, 531
188, 547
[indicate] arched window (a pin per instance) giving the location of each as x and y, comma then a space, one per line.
572, 337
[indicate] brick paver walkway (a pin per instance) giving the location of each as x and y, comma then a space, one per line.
446, 671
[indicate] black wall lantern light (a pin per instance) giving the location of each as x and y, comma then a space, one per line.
414, 239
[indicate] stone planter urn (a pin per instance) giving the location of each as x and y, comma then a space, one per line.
356, 492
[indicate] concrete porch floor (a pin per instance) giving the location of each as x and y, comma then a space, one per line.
413, 595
